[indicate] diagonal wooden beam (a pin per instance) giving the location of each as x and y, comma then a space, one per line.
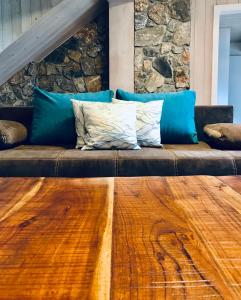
52, 30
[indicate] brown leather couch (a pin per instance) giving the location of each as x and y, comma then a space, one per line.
173, 160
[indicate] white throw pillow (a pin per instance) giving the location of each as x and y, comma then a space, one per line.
79, 122
105, 126
148, 122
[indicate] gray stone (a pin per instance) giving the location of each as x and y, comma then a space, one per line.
141, 5
93, 83
88, 65
42, 69
162, 65
177, 50
175, 61
154, 81
186, 56
79, 84
165, 48
147, 66
57, 88
19, 102
140, 79
51, 69
138, 59
158, 14
94, 50
178, 60
46, 83
140, 20
180, 10
152, 36
73, 70
65, 84
32, 69
18, 92
171, 26
168, 37
150, 23
7, 96
182, 79
181, 36
66, 60
74, 55
167, 88
28, 90
87, 35
169, 81
18, 78
150, 51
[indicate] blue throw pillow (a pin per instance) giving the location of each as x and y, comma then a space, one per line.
178, 114
53, 117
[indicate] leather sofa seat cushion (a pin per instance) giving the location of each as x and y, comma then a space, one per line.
51, 161
77, 163
47, 161
237, 159
146, 162
28, 163
214, 162
158, 162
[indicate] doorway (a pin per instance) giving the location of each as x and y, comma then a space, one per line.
226, 86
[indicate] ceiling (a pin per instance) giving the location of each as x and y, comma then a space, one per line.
232, 21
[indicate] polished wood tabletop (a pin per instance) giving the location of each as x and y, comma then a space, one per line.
123, 238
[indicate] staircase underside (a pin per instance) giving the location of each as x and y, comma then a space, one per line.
52, 30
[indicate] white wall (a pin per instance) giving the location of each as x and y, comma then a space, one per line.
235, 86
223, 66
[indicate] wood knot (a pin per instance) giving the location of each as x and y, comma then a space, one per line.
27, 222
66, 209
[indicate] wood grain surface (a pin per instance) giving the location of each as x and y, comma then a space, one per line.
123, 238
53, 237
176, 238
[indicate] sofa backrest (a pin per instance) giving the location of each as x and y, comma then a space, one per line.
203, 114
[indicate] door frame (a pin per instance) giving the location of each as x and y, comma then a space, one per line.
219, 10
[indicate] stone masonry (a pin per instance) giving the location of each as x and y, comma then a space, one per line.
79, 65
162, 45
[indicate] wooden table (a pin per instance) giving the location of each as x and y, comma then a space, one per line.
132, 238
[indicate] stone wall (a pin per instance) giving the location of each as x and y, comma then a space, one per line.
79, 65
162, 45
